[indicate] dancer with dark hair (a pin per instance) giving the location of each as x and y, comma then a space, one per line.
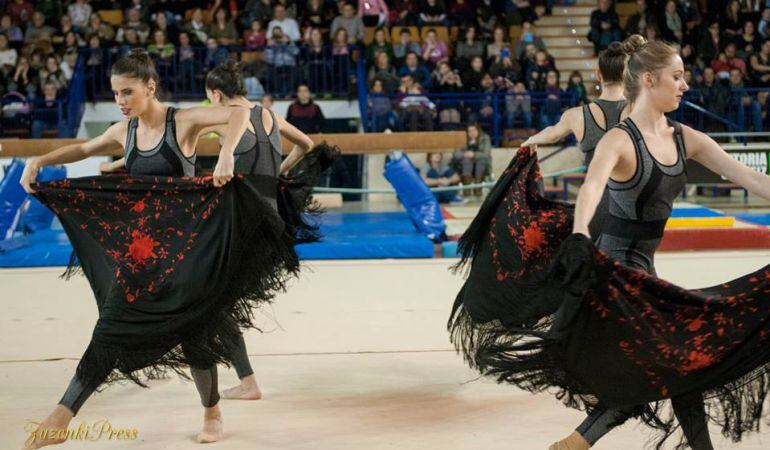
172, 261
591, 121
543, 308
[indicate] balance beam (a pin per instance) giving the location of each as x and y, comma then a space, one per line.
349, 143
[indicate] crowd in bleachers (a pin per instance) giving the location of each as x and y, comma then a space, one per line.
418, 55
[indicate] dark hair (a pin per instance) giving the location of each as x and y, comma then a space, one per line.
612, 62
227, 78
136, 64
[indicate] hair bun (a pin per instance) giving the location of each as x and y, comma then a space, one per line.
615, 49
633, 44
140, 54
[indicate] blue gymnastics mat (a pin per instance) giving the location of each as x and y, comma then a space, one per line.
757, 218
345, 236
367, 236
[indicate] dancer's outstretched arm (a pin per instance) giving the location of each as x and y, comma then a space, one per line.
112, 165
111, 140
570, 121
706, 151
614, 146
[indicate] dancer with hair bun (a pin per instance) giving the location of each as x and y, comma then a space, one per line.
545, 309
176, 263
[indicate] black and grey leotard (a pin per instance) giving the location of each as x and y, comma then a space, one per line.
640, 207
259, 153
166, 159
592, 134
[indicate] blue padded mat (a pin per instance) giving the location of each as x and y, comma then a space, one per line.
695, 212
759, 219
367, 235
345, 236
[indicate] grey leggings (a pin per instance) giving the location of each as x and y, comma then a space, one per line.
476, 167
240, 359
689, 410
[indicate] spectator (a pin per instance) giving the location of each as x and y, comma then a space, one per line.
288, 25
51, 9
38, 30
290, 6
440, 78
433, 13
674, 26
318, 15
80, 12
448, 82
475, 160
189, 66
499, 47
748, 42
24, 79
373, 13
528, 37
267, 101
405, 13
709, 45
51, 73
404, 46
130, 41
536, 75
467, 49
304, 114
196, 29
383, 72
162, 50
46, 113
216, 55
486, 21
351, 23
281, 59
96, 26
20, 11
433, 49
69, 54
95, 70
715, 96
760, 65
417, 71
223, 29
550, 112
14, 33
380, 44
473, 76
461, 13
254, 37
65, 26
260, 10
637, 22
688, 57
134, 22
418, 110
8, 55
762, 28
732, 22
436, 173
342, 62
506, 67
741, 101
576, 89
605, 26
169, 29
318, 64
381, 107
518, 105
519, 11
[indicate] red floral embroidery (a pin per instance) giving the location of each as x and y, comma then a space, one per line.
142, 247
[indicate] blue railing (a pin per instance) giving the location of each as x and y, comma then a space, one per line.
495, 111
275, 70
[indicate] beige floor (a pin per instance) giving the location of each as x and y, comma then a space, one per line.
355, 357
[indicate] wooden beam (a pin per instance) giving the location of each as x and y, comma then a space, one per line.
349, 143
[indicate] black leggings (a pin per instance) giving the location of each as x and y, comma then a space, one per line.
240, 359
689, 410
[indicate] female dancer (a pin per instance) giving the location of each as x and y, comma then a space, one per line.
159, 141
619, 337
589, 122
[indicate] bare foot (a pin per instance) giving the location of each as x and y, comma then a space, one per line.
52, 431
247, 390
572, 442
213, 430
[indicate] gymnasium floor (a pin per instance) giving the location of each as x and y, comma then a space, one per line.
355, 356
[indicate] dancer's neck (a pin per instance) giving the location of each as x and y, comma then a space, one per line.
648, 117
238, 101
612, 92
154, 116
